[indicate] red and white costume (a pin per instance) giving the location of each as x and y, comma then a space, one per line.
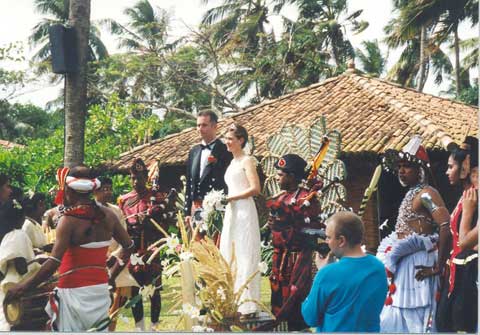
81, 298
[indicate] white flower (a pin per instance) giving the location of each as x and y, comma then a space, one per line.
307, 220
306, 203
147, 291
185, 256
136, 259
171, 243
214, 200
191, 311
293, 201
221, 293
262, 267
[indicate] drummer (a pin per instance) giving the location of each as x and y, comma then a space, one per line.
16, 252
81, 299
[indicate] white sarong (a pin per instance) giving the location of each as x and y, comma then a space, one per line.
413, 306
80, 308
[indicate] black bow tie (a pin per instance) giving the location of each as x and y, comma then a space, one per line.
206, 146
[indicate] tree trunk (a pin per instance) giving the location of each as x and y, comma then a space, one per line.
422, 73
76, 86
457, 60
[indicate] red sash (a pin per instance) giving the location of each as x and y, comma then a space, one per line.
83, 267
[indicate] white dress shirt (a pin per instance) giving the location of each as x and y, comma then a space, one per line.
204, 156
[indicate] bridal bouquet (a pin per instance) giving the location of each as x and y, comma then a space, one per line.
213, 211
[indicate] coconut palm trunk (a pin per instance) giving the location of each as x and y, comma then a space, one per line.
423, 59
76, 86
457, 59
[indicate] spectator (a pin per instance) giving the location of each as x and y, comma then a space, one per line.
346, 296
5, 189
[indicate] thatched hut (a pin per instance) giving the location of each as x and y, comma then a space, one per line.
372, 115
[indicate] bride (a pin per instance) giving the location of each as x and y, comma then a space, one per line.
241, 231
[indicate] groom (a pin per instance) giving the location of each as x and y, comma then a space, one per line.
206, 164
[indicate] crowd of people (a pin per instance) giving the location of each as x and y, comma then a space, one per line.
422, 279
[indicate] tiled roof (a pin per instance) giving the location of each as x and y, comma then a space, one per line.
371, 114
9, 145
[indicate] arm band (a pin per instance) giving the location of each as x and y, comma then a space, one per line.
55, 259
428, 203
444, 224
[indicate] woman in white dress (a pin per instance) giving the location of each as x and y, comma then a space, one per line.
241, 231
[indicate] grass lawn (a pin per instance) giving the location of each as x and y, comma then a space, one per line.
168, 320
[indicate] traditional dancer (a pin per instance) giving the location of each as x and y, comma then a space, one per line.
410, 252
81, 298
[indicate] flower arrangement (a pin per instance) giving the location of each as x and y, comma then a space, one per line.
213, 211
205, 299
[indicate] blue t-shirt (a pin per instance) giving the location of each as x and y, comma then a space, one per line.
347, 296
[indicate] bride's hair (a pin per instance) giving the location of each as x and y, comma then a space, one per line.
239, 132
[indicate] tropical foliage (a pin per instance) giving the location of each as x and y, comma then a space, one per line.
156, 83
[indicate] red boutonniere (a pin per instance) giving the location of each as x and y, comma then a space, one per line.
212, 159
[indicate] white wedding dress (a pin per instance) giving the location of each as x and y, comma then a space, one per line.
241, 232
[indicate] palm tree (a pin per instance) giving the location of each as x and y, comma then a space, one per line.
238, 24
146, 31
449, 15
326, 17
421, 49
58, 11
372, 60
145, 36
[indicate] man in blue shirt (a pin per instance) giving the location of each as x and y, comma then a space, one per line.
348, 295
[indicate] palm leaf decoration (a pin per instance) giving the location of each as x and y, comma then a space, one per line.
306, 142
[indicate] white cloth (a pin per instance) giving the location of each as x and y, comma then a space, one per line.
14, 244
35, 232
80, 308
204, 156
414, 303
241, 232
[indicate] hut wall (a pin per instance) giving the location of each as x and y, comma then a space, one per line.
356, 185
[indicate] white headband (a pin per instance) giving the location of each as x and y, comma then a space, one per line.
83, 185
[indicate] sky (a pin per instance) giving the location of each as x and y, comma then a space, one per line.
18, 17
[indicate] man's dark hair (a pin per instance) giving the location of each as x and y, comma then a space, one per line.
105, 180
212, 115
17, 193
3, 179
12, 217
30, 205
349, 225
81, 171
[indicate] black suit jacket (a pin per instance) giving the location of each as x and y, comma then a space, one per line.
213, 174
